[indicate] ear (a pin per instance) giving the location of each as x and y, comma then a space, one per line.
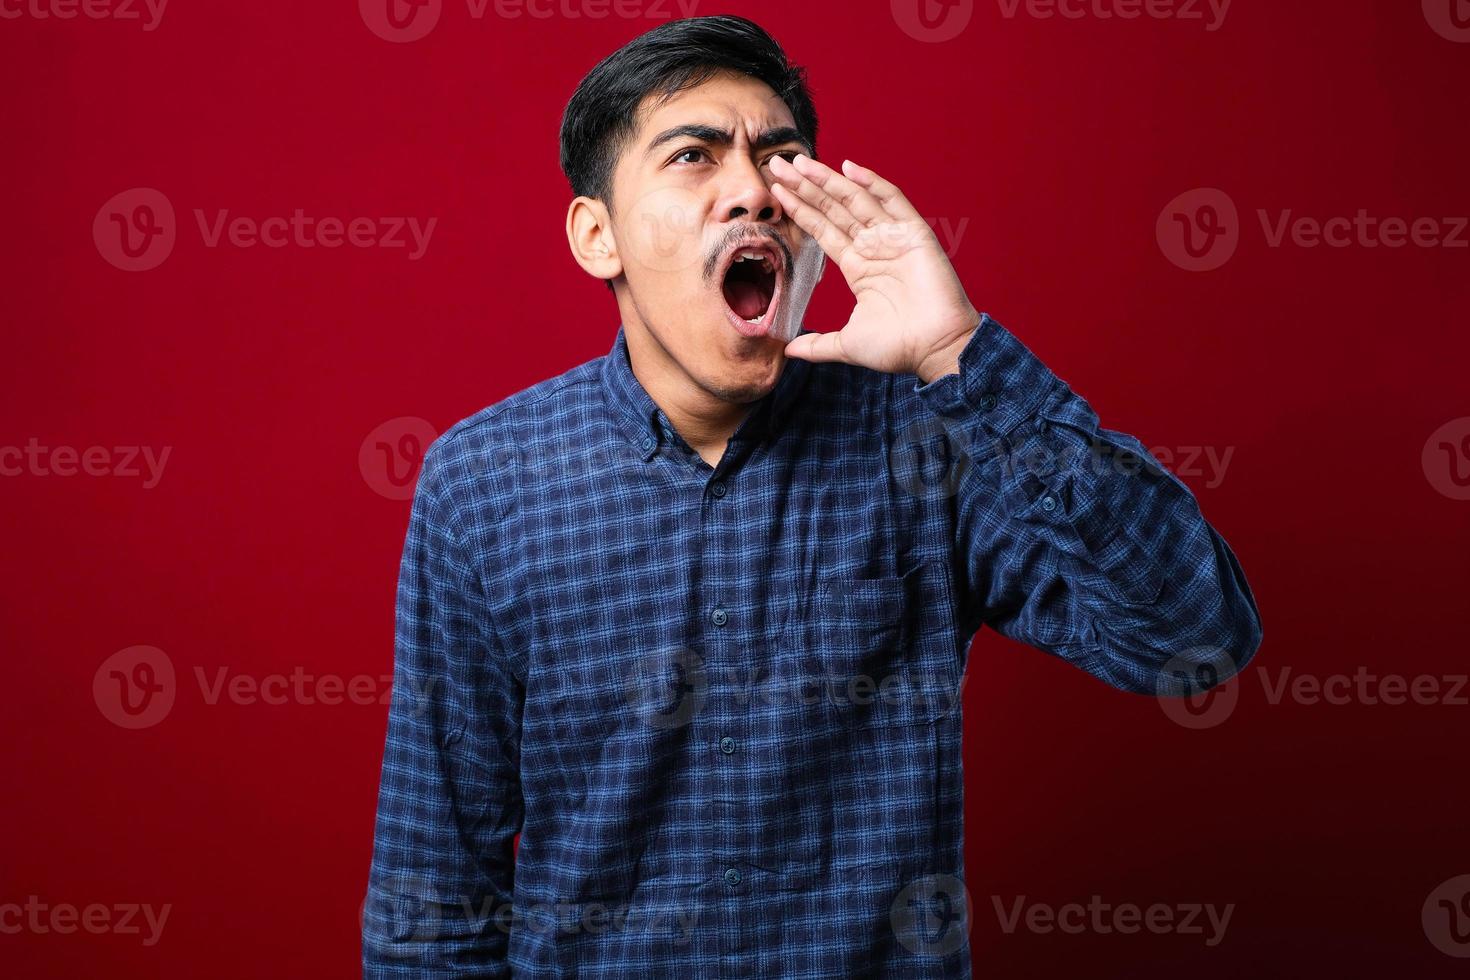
589, 233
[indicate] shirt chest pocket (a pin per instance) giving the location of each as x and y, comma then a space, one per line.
881, 646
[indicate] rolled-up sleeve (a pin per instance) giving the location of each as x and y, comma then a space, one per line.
449, 802
1072, 538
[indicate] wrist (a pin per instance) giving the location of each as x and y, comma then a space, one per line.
945, 359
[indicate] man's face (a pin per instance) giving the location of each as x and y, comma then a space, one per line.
714, 269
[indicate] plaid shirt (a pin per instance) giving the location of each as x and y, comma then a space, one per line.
719, 704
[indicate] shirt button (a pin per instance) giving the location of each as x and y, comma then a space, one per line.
1048, 503
732, 876
718, 488
987, 402
719, 616
647, 443
727, 745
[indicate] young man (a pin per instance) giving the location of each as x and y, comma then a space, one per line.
691, 618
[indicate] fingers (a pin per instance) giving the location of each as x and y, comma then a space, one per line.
884, 191
832, 239
842, 196
788, 177
818, 347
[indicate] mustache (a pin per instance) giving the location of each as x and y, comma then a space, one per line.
763, 234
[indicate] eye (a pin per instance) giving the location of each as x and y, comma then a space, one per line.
790, 155
678, 157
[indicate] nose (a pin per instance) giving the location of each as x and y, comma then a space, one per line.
746, 195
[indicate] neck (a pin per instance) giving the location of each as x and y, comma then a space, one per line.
704, 421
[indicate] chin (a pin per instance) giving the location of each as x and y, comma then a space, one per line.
740, 369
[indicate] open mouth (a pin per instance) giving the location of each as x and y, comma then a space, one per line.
750, 286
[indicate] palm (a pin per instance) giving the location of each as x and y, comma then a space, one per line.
908, 300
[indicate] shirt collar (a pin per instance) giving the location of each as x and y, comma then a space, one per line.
643, 421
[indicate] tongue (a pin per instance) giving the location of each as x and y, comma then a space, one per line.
746, 299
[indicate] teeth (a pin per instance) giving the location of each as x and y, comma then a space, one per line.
760, 257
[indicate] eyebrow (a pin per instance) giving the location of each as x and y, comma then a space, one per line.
716, 136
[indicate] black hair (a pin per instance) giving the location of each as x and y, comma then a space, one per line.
669, 59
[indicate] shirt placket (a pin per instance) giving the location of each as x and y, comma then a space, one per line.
725, 594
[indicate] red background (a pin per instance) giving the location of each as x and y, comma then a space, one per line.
263, 549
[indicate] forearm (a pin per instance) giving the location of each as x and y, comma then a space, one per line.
1072, 538
449, 804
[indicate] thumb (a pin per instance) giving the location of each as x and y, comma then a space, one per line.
818, 347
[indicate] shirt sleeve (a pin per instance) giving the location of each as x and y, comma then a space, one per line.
449, 803
1071, 538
